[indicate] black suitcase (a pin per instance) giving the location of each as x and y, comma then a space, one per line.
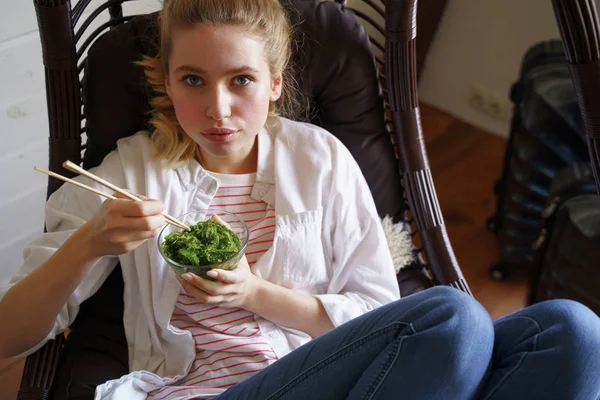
546, 135
567, 252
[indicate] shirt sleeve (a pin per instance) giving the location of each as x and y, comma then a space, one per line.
66, 210
363, 273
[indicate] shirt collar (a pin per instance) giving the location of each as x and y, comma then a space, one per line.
264, 187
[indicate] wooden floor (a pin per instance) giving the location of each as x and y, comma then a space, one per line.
465, 161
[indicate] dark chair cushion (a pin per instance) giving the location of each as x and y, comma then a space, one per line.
96, 348
337, 73
113, 88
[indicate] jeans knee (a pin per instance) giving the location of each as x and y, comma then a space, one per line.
464, 332
464, 315
576, 326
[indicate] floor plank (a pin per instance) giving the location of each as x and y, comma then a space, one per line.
434, 122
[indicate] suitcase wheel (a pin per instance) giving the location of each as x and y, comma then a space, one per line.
491, 223
499, 271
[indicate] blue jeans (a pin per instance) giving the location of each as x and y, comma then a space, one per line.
442, 344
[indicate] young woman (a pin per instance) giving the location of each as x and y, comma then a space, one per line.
313, 310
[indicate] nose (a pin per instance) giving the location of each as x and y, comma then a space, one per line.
219, 104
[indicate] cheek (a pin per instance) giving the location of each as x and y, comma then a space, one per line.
186, 111
255, 108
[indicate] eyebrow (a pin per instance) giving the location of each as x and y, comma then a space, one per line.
190, 68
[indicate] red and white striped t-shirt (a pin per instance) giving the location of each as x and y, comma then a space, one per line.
229, 345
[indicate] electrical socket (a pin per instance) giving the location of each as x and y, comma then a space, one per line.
483, 100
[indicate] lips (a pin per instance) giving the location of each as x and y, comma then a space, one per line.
218, 131
219, 134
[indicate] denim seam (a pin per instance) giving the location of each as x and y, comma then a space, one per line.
336, 356
386, 368
510, 373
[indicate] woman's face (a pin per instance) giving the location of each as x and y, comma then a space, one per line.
221, 87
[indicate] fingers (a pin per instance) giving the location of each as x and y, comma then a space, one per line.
229, 277
130, 208
121, 196
215, 217
129, 235
212, 288
200, 294
145, 224
126, 223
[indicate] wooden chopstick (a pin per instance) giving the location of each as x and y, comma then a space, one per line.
171, 220
71, 181
78, 170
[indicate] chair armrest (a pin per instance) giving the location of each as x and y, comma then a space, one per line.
39, 371
401, 72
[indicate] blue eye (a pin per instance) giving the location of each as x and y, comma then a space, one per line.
192, 80
242, 80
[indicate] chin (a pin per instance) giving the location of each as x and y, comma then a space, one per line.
220, 150
232, 148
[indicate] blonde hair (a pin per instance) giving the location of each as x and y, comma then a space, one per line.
266, 18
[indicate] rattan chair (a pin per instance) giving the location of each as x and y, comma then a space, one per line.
64, 50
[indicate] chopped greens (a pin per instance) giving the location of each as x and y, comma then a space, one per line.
208, 242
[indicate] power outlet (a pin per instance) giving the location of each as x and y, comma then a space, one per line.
492, 105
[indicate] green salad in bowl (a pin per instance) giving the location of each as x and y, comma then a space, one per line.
217, 239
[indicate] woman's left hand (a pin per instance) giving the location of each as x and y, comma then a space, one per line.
233, 289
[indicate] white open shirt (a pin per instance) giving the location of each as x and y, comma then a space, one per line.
328, 243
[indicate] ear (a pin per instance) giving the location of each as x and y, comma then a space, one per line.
276, 87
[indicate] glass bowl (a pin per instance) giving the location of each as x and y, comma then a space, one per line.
236, 224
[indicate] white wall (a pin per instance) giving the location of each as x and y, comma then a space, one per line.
23, 132
482, 42
24, 128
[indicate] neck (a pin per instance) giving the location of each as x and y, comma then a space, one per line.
243, 163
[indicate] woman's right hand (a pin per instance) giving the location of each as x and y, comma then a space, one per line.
122, 225
32, 305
